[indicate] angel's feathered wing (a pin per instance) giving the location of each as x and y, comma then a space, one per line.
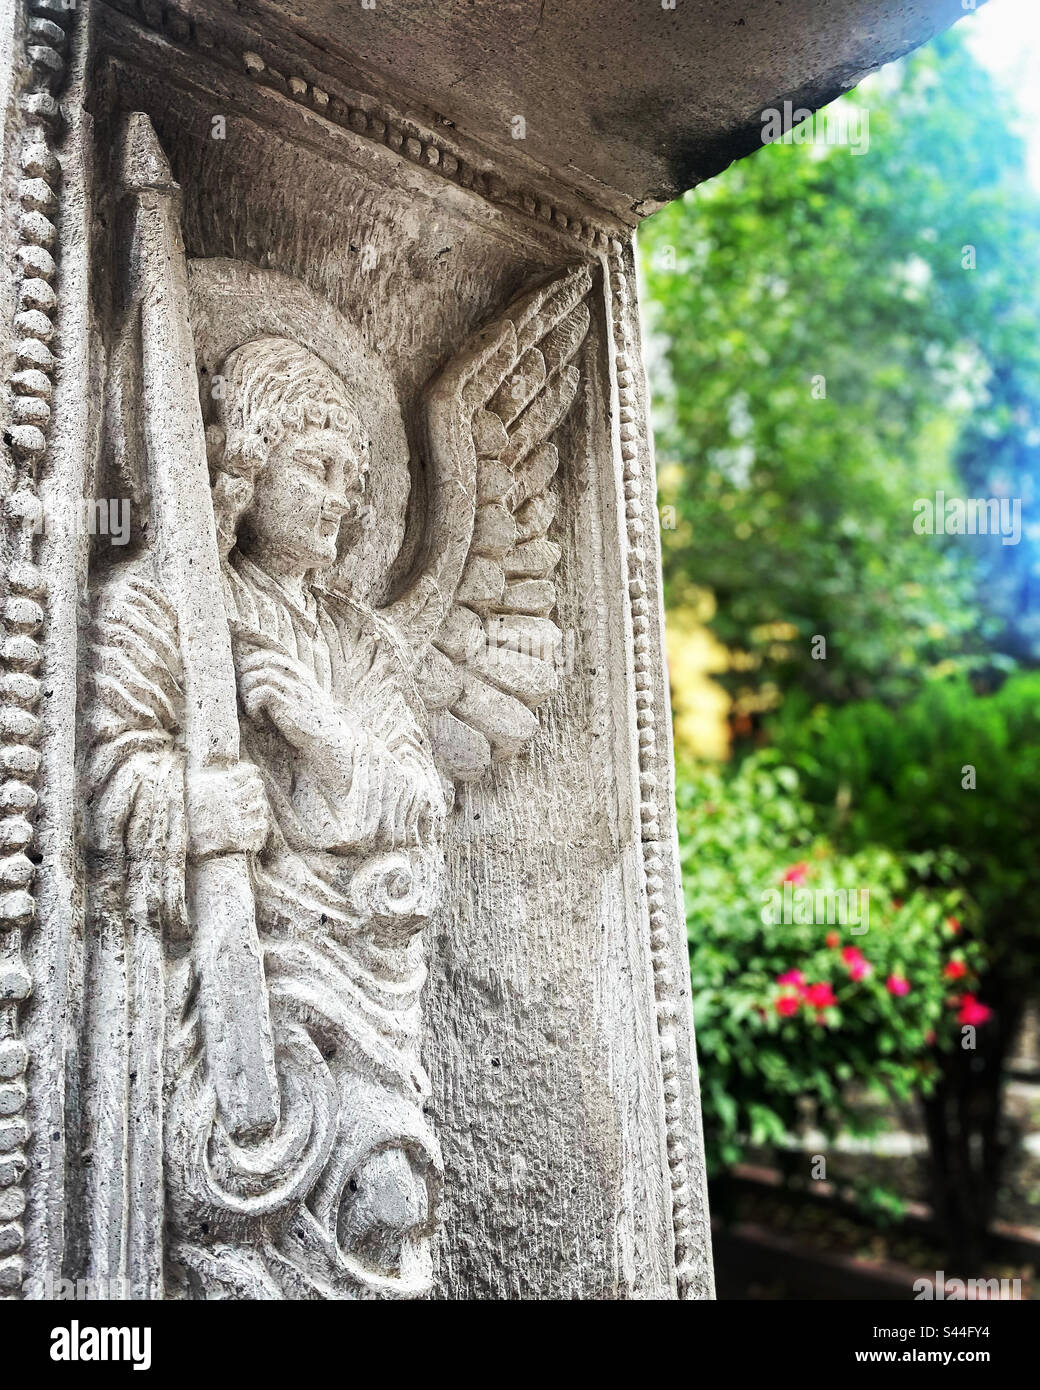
479, 616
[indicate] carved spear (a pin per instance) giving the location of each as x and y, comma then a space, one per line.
233, 999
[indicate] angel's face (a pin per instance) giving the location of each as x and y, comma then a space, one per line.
312, 486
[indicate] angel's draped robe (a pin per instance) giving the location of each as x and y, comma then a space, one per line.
343, 969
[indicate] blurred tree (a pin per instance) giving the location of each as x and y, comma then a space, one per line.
832, 333
834, 336
998, 455
956, 769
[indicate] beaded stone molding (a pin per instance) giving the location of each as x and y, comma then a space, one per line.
653, 850
371, 122
47, 26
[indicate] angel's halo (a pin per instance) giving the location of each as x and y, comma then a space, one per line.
232, 302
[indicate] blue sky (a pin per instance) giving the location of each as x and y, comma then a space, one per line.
1005, 36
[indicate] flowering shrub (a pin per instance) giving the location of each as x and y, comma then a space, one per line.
796, 996
959, 767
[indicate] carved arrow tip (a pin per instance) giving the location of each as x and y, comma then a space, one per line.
143, 163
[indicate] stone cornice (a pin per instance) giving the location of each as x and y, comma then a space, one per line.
265, 61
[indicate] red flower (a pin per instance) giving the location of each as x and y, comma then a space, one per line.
896, 984
971, 1011
955, 970
859, 966
954, 925
791, 977
820, 996
929, 1037
796, 874
833, 938
787, 1005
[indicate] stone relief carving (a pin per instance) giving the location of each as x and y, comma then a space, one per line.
274, 727
39, 192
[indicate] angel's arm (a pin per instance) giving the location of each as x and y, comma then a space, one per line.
144, 819
135, 772
362, 766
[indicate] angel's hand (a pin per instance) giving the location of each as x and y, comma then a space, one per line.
272, 683
227, 811
420, 811
432, 816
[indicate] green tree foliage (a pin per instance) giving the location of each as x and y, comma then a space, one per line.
806, 268
949, 768
834, 336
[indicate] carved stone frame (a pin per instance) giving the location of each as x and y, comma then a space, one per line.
662, 1251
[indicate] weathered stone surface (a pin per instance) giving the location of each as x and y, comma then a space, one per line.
632, 101
343, 951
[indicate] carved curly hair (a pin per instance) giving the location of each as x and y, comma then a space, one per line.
266, 388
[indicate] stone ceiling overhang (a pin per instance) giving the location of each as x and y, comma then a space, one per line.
628, 102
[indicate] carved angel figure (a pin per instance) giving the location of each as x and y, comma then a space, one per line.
353, 727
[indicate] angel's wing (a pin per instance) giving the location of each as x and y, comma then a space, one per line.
479, 614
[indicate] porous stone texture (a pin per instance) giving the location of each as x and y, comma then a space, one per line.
632, 101
342, 949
